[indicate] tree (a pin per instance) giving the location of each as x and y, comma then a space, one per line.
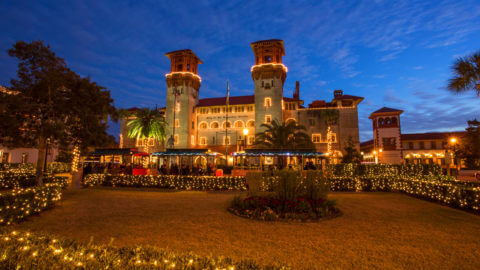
469, 148
466, 74
146, 124
52, 105
283, 136
351, 153
330, 117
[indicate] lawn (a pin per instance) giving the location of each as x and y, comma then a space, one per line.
376, 230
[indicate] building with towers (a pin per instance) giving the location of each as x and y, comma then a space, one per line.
215, 124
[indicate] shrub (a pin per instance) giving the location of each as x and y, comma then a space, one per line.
287, 186
17, 204
316, 185
24, 180
23, 250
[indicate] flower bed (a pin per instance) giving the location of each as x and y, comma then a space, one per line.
181, 182
24, 180
271, 209
22, 250
17, 204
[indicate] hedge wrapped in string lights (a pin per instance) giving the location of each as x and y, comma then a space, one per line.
17, 204
23, 250
24, 180
182, 182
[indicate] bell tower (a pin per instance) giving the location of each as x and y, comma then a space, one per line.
268, 75
183, 85
387, 145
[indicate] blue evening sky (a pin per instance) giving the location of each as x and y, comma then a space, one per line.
394, 53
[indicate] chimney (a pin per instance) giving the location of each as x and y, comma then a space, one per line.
296, 93
337, 93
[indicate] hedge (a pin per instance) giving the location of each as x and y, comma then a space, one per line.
17, 204
167, 181
23, 250
52, 167
24, 180
358, 170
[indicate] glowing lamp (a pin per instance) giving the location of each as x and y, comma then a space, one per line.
245, 131
453, 140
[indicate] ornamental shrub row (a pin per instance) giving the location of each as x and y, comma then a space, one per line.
351, 169
24, 180
23, 250
181, 182
17, 204
52, 167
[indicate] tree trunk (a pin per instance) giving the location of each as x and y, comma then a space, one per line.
42, 148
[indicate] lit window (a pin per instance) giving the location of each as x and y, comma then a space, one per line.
239, 124
251, 140
214, 125
177, 123
203, 141
316, 138
203, 125
227, 140
251, 123
139, 142
151, 142
175, 139
192, 140
268, 102
268, 119
228, 124
333, 137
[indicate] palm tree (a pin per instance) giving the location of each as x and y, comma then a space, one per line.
147, 123
283, 136
466, 74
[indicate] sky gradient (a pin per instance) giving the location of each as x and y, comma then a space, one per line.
393, 53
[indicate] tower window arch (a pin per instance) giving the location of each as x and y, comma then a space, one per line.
251, 123
203, 125
380, 122
394, 121
238, 124
387, 121
227, 124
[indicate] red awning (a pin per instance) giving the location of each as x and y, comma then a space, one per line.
141, 154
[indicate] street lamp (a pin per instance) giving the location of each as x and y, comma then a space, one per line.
453, 141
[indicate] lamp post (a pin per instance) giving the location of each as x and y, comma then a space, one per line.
453, 141
245, 134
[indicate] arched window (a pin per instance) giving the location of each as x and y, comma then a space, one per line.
203, 125
290, 120
251, 123
228, 125
239, 124
214, 125
380, 122
387, 121
394, 121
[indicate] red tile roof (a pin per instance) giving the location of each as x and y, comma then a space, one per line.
367, 143
347, 97
432, 135
386, 110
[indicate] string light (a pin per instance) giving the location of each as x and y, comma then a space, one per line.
76, 158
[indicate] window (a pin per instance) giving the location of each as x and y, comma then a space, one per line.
179, 67
268, 119
278, 58
177, 123
389, 143
193, 124
251, 123
227, 140
333, 137
203, 140
214, 125
263, 83
316, 138
251, 140
151, 142
268, 102
272, 83
422, 145
228, 124
249, 108
433, 145
203, 125
192, 140
268, 59
139, 142
188, 67
239, 124
175, 139
410, 145
24, 158
311, 122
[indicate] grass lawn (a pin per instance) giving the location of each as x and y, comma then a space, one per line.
376, 230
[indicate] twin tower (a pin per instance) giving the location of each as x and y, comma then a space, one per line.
183, 85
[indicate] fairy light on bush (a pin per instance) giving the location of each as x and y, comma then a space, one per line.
76, 158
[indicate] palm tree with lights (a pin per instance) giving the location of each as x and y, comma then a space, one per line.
282, 136
466, 72
147, 124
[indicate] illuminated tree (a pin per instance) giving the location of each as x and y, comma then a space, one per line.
283, 136
52, 105
146, 124
466, 74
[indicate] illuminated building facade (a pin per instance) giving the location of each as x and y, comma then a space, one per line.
389, 145
203, 123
